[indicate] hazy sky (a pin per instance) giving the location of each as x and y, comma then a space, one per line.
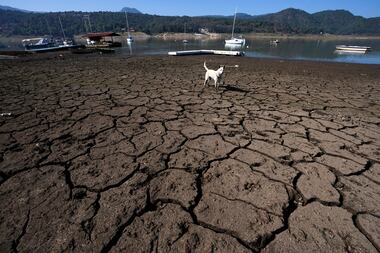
366, 8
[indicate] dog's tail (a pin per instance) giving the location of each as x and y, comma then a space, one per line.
204, 65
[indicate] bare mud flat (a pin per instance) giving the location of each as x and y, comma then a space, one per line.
116, 154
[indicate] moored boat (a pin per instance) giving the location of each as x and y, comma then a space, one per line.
47, 44
234, 40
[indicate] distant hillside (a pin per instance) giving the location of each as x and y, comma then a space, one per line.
300, 22
289, 21
130, 10
8, 8
292, 20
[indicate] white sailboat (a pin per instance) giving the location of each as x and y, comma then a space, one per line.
129, 38
233, 40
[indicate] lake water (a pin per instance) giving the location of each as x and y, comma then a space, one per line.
303, 49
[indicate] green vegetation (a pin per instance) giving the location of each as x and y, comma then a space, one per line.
290, 21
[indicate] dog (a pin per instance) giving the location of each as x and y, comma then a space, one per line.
216, 75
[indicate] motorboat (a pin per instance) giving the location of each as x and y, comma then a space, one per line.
38, 43
47, 44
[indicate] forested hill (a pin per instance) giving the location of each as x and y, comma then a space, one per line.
290, 21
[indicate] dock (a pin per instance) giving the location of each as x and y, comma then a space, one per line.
202, 52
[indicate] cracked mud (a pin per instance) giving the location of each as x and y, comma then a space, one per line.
113, 154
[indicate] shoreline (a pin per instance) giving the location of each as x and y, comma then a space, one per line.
173, 36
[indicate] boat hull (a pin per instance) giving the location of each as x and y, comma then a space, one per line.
53, 48
235, 42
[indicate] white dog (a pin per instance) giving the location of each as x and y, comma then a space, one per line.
216, 75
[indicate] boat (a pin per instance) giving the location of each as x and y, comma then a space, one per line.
101, 40
129, 38
353, 48
274, 41
233, 40
47, 44
38, 43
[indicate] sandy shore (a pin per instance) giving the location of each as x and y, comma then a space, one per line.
132, 154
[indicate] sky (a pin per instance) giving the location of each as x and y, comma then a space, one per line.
366, 8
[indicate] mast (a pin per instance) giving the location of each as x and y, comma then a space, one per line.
126, 18
63, 32
87, 23
233, 26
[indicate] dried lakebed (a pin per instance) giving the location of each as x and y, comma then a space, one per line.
114, 154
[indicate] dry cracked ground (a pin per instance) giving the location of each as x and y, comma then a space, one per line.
117, 154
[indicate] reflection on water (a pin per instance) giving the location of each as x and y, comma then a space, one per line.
234, 47
322, 50
130, 48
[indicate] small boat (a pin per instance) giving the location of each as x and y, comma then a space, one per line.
353, 48
233, 40
47, 44
130, 39
274, 41
38, 43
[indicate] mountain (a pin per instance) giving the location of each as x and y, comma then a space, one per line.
297, 21
340, 21
8, 8
288, 21
131, 10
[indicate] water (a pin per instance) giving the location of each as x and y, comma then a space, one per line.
303, 49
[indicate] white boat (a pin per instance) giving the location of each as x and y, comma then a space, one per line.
353, 48
233, 40
129, 38
274, 41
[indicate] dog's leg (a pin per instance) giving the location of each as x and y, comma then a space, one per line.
206, 79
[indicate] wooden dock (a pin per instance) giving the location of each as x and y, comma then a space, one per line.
201, 52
